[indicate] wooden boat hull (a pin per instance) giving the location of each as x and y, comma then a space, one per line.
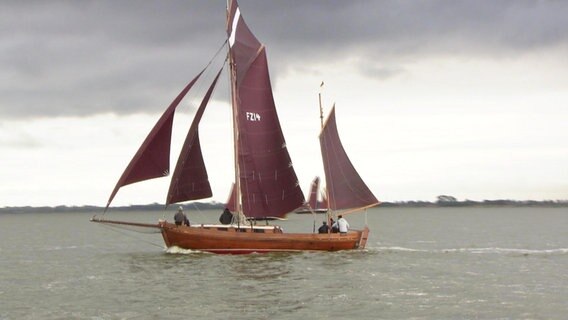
246, 239
231, 241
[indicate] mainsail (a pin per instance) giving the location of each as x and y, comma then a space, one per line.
152, 160
190, 180
323, 203
345, 188
267, 182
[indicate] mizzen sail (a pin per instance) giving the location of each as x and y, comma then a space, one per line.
267, 180
152, 160
345, 188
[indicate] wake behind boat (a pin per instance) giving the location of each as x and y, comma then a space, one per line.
266, 184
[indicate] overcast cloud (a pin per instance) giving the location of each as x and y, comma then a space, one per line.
466, 98
61, 58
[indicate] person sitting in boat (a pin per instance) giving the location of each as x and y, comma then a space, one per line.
180, 218
226, 217
324, 228
334, 226
343, 225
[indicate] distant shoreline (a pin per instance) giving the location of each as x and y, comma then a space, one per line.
220, 206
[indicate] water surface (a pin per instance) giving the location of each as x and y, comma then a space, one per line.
450, 263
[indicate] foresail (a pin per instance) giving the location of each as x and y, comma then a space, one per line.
190, 180
268, 182
346, 189
152, 160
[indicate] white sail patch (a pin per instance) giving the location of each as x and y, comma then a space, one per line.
252, 116
234, 27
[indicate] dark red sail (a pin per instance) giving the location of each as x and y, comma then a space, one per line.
345, 187
231, 200
190, 180
323, 203
243, 44
268, 182
152, 160
313, 196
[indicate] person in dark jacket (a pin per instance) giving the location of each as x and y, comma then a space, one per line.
324, 228
334, 226
226, 217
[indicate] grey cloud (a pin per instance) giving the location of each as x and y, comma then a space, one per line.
391, 29
87, 57
380, 72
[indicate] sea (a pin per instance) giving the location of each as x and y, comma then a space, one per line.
420, 263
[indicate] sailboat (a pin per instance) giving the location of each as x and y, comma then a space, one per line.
313, 205
266, 184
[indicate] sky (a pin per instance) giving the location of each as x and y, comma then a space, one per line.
461, 98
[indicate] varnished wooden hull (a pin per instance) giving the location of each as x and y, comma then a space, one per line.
229, 240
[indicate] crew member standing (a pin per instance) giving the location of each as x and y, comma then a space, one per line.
180, 218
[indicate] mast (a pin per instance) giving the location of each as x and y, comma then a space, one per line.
321, 108
326, 192
234, 93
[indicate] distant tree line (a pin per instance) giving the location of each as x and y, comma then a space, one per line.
450, 201
442, 201
96, 209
